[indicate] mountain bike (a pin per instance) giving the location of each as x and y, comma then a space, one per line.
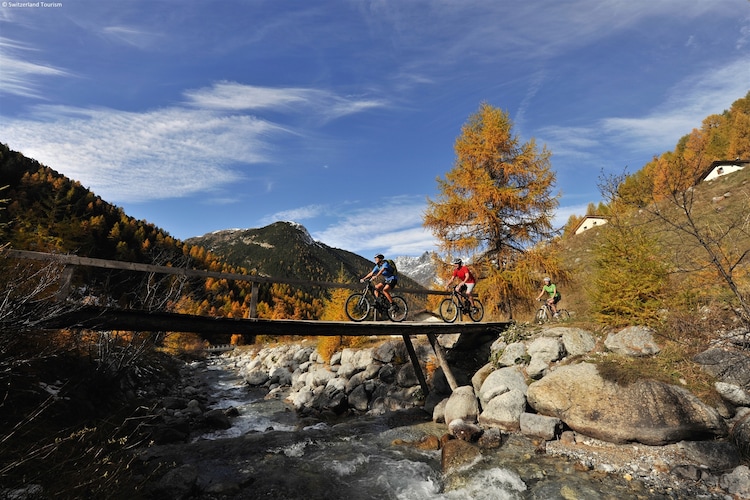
359, 304
544, 314
459, 303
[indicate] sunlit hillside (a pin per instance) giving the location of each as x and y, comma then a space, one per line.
715, 202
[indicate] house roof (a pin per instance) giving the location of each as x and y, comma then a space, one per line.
588, 217
720, 163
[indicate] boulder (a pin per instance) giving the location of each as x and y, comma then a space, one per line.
577, 341
464, 430
501, 381
733, 393
647, 411
543, 351
462, 405
547, 349
178, 483
632, 341
737, 482
540, 426
732, 367
255, 377
513, 354
457, 454
718, 456
359, 399
406, 376
480, 376
504, 411
438, 413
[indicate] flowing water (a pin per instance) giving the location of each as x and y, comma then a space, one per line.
270, 453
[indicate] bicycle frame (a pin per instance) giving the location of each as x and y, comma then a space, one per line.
358, 304
463, 305
548, 315
377, 301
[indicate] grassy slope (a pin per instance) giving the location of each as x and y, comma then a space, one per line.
577, 250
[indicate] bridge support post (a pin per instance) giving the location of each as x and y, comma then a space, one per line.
65, 280
440, 355
253, 312
415, 364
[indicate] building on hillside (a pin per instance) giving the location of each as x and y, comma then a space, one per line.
722, 167
590, 222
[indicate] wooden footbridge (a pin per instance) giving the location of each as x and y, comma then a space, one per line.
106, 318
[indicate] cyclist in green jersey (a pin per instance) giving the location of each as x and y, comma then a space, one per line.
553, 295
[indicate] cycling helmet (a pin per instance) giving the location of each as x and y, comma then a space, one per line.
457, 261
380, 256
548, 280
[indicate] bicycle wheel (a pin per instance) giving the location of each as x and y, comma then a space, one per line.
398, 310
541, 315
448, 310
563, 315
357, 307
476, 313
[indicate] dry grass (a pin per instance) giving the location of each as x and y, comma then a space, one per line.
697, 308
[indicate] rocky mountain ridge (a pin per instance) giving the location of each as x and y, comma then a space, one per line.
286, 249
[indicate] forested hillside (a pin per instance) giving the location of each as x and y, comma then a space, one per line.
48, 212
724, 136
674, 241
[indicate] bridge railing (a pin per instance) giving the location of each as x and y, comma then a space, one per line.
256, 281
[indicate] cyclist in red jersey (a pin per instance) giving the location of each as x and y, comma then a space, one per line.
466, 279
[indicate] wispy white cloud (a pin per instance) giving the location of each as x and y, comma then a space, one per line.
20, 76
124, 156
236, 96
684, 108
394, 228
239, 97
681, 110
169, 152
299, 214
134, 37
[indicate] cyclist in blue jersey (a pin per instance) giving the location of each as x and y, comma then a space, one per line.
390, 279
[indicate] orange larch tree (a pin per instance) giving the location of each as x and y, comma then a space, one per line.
496, 202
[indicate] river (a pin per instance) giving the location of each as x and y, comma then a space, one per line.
269, 452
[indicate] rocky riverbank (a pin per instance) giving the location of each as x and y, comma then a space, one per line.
645, 435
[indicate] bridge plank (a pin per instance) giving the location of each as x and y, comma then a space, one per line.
97, 318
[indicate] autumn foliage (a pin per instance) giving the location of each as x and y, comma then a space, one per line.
494, 206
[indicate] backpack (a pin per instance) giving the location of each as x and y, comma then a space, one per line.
393, 265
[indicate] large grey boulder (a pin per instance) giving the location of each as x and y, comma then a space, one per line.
513, 354
501, 381
504, 411
543, 351
462, 404
732, 367
632, 341
577, 341
647, 411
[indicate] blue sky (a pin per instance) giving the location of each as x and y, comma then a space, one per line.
339, 115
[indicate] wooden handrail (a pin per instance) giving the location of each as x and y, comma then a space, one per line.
75, 260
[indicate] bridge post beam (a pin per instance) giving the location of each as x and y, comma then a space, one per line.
440, 355
415, 364
253, 312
